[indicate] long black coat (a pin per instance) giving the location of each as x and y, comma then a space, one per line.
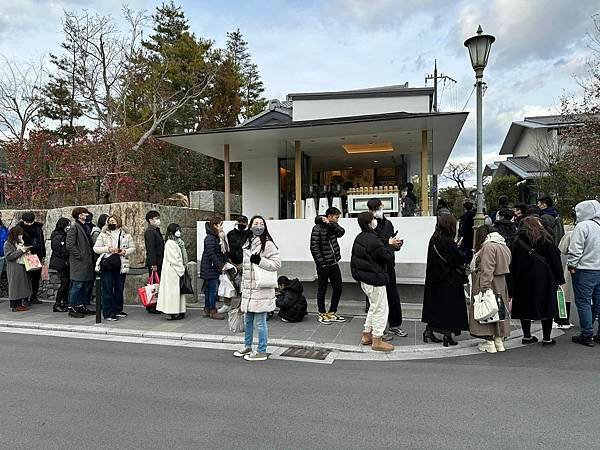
444, 305
59, 260
533, 282
324, 246
155, 246
81, 256
370, 259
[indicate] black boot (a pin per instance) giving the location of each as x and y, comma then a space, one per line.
58, 307
33, 300
448, 340
429, 336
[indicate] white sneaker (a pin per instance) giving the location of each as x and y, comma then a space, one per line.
499, 344
224, 309
241, 353
487, 347
556, 326
565, 327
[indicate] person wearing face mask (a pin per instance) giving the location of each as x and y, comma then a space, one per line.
155, 249
170, 299
33, 235
211, 265
81, 264
19, 284
59, 261
236, 239
114, 245
260, 253
369, 264
386, 233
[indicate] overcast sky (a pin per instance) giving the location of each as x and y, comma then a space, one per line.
307, 45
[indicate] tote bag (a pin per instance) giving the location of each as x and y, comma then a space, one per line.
236, 320
149, 294
264, 279
484, 305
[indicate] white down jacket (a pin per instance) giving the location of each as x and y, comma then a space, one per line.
108, 239
258, 300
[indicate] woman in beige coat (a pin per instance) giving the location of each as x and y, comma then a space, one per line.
260, 255
170, 300
489, 268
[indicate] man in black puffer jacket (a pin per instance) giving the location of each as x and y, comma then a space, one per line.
369, 264
326, 253
291, 303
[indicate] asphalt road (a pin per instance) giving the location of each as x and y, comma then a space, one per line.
78, 394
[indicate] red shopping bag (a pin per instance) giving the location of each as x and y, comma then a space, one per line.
45, 273
149, 294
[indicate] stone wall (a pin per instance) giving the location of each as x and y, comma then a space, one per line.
214, 201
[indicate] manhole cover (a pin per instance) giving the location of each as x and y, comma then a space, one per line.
296, 352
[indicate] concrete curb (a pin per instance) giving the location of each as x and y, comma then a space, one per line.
343, 351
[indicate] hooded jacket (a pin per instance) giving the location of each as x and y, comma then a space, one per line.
213, 258
323, 242
59, 259
292, 304
236, 239
584, 249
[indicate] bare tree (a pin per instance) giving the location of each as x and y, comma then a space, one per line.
20, 99
460, 173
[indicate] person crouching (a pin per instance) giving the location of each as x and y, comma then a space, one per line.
370, 259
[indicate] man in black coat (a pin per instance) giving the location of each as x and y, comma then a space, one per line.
33, 235
465, 231
326, 254
385, 231
155, 249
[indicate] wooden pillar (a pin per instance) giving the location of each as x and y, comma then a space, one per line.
227, 172
424, 174
298, 180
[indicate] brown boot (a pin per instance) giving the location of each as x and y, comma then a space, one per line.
380, 346
206, 312
215, 315
367, 338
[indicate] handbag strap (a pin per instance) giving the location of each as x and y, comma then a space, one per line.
438, 253
533, 253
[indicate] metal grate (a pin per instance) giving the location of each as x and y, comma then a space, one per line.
297, 352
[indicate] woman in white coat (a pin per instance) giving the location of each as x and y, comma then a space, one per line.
170, 300
114, 245
261, 256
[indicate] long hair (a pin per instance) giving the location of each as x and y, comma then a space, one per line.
117, 218
263, 237
480, 236
13, 235
445, 227
102, 220
364, 220
212, 224
62, 223
533, 230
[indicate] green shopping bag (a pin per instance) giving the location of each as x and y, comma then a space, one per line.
562, 305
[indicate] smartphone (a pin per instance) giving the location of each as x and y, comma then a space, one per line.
395, 234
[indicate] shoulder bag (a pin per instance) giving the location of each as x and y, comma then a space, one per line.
112, 262
461, 271
185, 284
264, 279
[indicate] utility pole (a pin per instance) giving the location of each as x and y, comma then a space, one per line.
435, 77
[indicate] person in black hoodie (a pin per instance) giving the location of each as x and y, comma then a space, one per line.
551, 219
505, 226
59, 261
155, 249
326, 254
465, 231
369, 264
33, 235
290, 301
386, 233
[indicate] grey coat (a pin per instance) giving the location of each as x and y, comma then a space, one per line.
19, 284
81, 257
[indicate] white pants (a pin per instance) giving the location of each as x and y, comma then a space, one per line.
378, 311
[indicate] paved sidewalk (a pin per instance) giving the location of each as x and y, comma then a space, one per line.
341, 338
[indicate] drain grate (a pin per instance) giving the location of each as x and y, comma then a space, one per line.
297, 352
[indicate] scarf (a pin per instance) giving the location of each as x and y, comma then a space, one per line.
223, 243
184, 254
492, 237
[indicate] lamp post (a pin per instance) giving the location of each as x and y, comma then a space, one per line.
479, 50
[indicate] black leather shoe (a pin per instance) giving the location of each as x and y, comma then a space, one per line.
583, 340
75, 313
88, 312
153, 311
449, 341
35, 301
429, 336
59, 308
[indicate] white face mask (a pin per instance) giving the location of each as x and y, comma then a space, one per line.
178, 234
378, 214
157, 222
374, 224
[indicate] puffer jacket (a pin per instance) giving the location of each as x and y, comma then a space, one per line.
108, 239
213, 258
292, 304
255, 299
59, 259
371, 259
323, 242
236, 239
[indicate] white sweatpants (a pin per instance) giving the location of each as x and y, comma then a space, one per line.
377, 316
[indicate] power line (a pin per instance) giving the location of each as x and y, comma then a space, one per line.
467, 102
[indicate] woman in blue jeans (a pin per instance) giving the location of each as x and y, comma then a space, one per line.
211, 265
261, 256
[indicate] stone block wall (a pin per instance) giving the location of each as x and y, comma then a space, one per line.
214, 201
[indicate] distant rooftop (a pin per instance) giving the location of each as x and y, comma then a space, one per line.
551, 120
381, 91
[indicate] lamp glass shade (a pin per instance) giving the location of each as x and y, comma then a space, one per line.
479, 50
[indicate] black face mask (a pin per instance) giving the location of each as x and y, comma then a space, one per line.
112, 226
241, 227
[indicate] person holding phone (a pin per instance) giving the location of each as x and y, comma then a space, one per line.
385, 232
